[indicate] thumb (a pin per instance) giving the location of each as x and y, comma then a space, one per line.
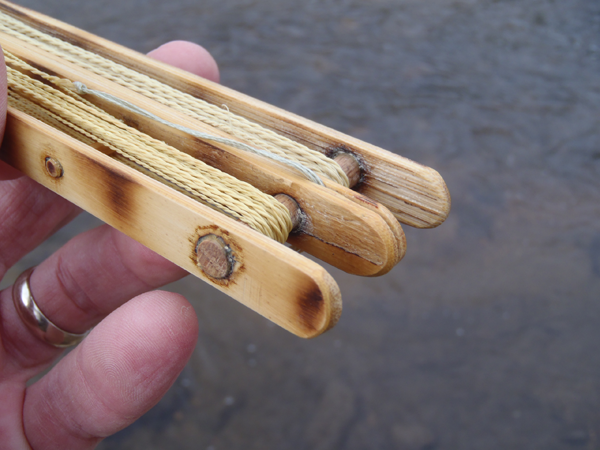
119, 372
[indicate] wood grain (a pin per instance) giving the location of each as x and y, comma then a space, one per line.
266, 276
367, 239
415, 194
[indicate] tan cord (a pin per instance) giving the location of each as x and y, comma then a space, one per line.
33, 110
207, 184
247, 131
82, 89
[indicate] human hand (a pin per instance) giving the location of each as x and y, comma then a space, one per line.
138, 347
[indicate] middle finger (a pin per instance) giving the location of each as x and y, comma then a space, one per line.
30, 214
84, 281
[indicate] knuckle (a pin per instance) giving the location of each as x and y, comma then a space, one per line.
72, 290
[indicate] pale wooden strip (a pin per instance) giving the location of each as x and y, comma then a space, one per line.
415, 194
269, 278
358, 236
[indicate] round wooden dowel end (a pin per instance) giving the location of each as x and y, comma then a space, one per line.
350, 166
53, 167
214, 256
293, 208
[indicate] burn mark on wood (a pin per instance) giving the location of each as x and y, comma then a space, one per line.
14, 12
118, 191
130, 121
311, 308
235, 255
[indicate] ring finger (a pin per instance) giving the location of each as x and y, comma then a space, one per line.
94, 273
88, 278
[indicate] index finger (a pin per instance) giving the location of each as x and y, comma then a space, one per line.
188, 56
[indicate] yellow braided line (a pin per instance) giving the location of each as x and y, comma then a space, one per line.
245, 130
33, 110
207, 184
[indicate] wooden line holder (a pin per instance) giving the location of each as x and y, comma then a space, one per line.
356, 230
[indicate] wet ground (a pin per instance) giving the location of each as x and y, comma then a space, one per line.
486, 335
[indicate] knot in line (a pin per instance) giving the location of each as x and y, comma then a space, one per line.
82, 89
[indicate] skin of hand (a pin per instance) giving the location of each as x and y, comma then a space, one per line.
142, 338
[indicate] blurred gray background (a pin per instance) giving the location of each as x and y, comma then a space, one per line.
487, 335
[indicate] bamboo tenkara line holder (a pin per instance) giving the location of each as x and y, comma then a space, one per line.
354, 229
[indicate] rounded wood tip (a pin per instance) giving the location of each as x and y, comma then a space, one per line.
214, 256
350, 166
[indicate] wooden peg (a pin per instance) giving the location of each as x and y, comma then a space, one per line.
294, 209
53, 167
350, 166
214, 256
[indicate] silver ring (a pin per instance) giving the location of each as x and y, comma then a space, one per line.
35, 319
